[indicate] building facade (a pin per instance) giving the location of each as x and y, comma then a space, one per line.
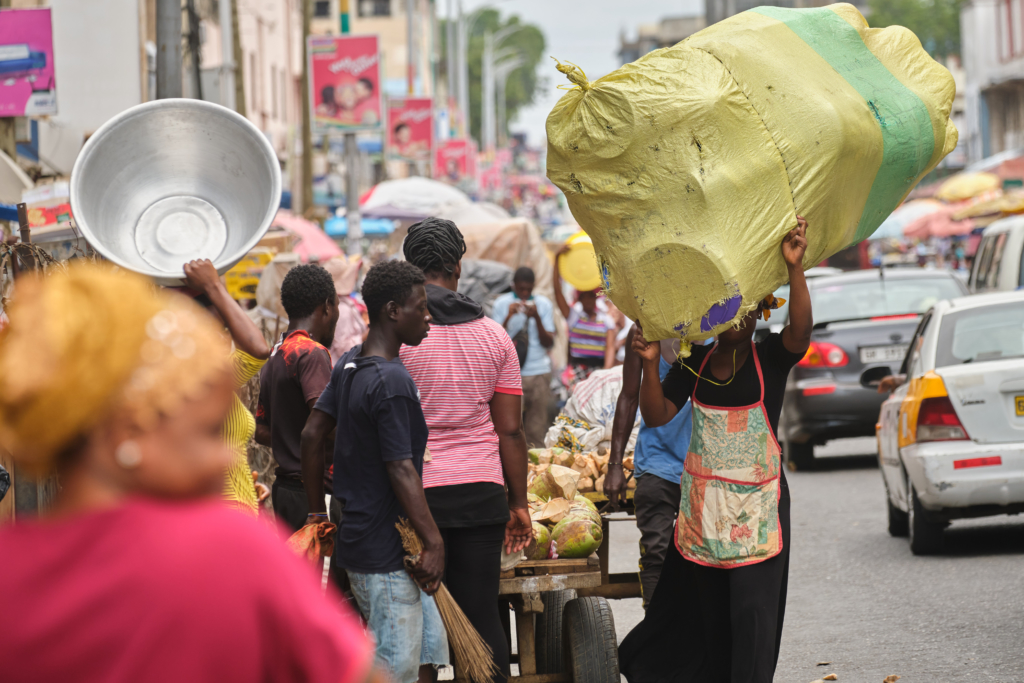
716, 10
665, 33
992, 46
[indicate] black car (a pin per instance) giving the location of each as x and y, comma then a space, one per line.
863, 322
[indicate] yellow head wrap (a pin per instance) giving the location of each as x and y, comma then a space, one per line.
88, 341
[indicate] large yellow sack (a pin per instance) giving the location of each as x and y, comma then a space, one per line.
688, 166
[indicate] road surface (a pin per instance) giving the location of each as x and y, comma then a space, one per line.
860, 600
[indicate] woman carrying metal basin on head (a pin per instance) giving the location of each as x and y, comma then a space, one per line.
179, 190
718, 609
248, 356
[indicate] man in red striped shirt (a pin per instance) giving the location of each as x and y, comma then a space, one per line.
467, 372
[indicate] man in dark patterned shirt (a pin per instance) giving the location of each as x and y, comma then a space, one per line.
292, 381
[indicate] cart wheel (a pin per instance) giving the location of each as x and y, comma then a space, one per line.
549, 631
591, 649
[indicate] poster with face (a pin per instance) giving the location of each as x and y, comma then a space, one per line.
455, 161
410, 128
27, 82
345, 82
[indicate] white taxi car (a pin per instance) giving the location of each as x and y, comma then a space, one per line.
951, 437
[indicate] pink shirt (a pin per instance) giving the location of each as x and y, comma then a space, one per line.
168, 592
458, 369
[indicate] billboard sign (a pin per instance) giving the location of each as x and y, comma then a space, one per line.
345, 83
411, 128
455, 161
27, 80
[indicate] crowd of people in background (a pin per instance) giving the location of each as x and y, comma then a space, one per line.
426, 416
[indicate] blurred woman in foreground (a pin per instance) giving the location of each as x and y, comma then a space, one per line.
140, 572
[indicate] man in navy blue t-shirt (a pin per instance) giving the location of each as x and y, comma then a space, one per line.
378, 463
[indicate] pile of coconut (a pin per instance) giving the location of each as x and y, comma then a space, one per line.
592, 467
565, 522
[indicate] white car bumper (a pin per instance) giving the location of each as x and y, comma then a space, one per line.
940, 484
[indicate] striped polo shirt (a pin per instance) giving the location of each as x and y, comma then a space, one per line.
587, 336
458, 369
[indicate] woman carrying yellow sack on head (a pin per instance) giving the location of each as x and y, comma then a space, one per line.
718, 610
250, 354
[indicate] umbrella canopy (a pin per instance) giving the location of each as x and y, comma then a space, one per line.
477, 213
1010, 203
313, 243
395, 213
894, 226
371, 227
416, 195
966, 185
938, 224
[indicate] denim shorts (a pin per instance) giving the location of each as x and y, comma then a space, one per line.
404, 621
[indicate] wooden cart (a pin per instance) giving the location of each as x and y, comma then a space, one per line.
564, 626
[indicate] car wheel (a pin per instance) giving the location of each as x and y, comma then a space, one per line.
925, 535
899, 521
801, 455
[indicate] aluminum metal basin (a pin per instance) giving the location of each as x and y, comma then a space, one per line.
173, 180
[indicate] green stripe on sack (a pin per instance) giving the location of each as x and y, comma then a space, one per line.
907, 135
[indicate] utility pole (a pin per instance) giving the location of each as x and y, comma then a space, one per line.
354, 240
239, 73
487, 95
307, 118
492, 41
168, 48
194, 47
450, 67
227, 53
502, 71
8, 140
463, 68
410, 50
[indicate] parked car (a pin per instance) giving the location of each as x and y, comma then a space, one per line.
863, 321
951, 438
998, 261
779, 315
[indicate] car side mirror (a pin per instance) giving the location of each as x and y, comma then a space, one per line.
871, 377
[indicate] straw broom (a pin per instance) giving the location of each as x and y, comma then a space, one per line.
473, 657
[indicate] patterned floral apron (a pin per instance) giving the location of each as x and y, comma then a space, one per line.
729, 510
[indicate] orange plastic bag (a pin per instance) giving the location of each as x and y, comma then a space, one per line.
314, 541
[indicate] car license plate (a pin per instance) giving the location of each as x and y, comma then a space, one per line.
883, 354
1019, 400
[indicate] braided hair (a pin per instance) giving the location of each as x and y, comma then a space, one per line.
434, 245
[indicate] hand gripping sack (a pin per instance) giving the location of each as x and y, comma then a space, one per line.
689, 166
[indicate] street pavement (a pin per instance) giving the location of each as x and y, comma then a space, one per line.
860, 600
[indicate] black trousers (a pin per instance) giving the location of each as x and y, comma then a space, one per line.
292, 507
657, 504
712, 625
290, 504
472, 569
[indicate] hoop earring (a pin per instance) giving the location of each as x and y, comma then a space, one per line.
128, 455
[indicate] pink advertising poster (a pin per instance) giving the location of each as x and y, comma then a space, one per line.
454, 162
410, 128
346, 82
27, 86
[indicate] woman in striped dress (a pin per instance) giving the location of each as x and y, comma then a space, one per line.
249, 355
591, 332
